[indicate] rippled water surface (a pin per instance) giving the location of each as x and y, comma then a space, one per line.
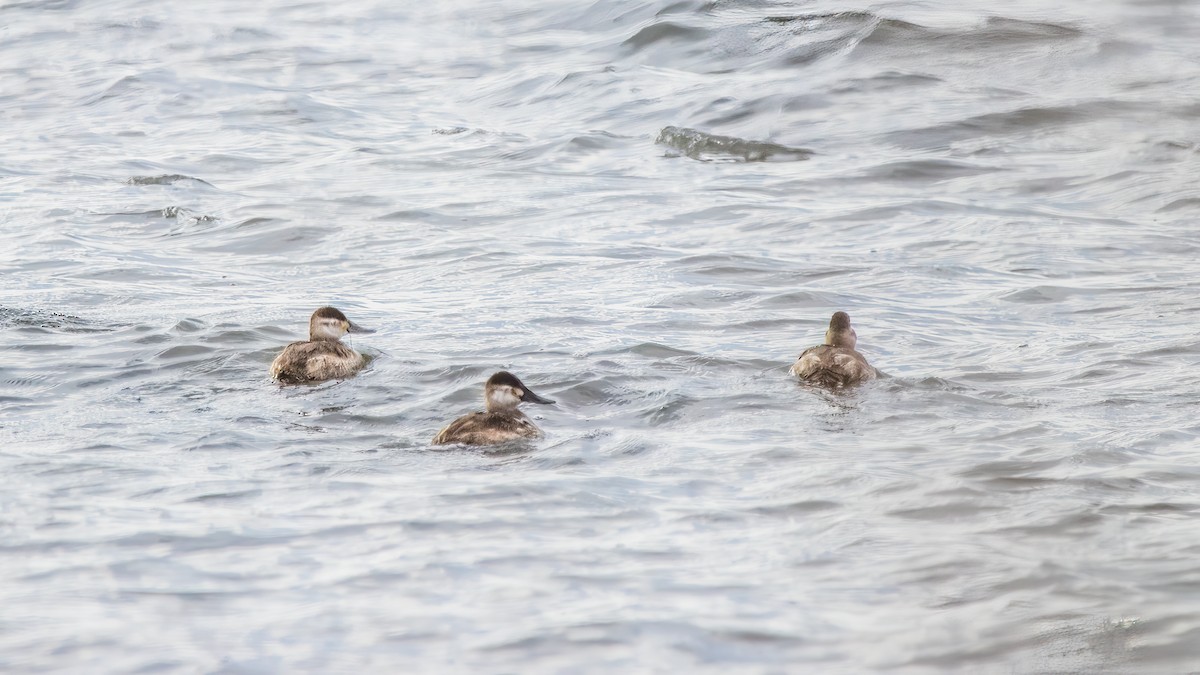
646, 210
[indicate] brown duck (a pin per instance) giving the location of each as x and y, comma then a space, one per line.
501, 421
836, 363
323, 356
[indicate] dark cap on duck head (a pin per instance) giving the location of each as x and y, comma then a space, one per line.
329, 313
335, 314
507, 379
839, 322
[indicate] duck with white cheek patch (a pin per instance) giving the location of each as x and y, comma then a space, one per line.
501, 421
323, 356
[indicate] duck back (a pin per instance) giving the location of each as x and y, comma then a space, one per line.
488, 428
833, 366
315, 361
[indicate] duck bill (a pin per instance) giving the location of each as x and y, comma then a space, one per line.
531, 397
352, 327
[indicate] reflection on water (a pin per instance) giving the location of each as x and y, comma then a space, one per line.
609, 198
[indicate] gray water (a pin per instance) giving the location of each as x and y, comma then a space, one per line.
646, 210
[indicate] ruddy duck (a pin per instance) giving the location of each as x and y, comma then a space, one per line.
501, 421
323, 357
835, 363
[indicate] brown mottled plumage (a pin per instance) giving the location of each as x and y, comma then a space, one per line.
835, 363
323, 356
502, 421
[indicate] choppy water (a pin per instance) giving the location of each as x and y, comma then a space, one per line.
646, 210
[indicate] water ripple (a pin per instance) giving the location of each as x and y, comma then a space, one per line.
1002, 197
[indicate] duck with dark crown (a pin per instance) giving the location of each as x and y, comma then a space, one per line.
836, 363
323, 356
501, 421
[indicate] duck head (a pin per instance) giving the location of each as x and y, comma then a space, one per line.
328, 323
840, 334
504, 391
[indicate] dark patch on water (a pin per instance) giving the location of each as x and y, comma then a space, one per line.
707, 147
165, 179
